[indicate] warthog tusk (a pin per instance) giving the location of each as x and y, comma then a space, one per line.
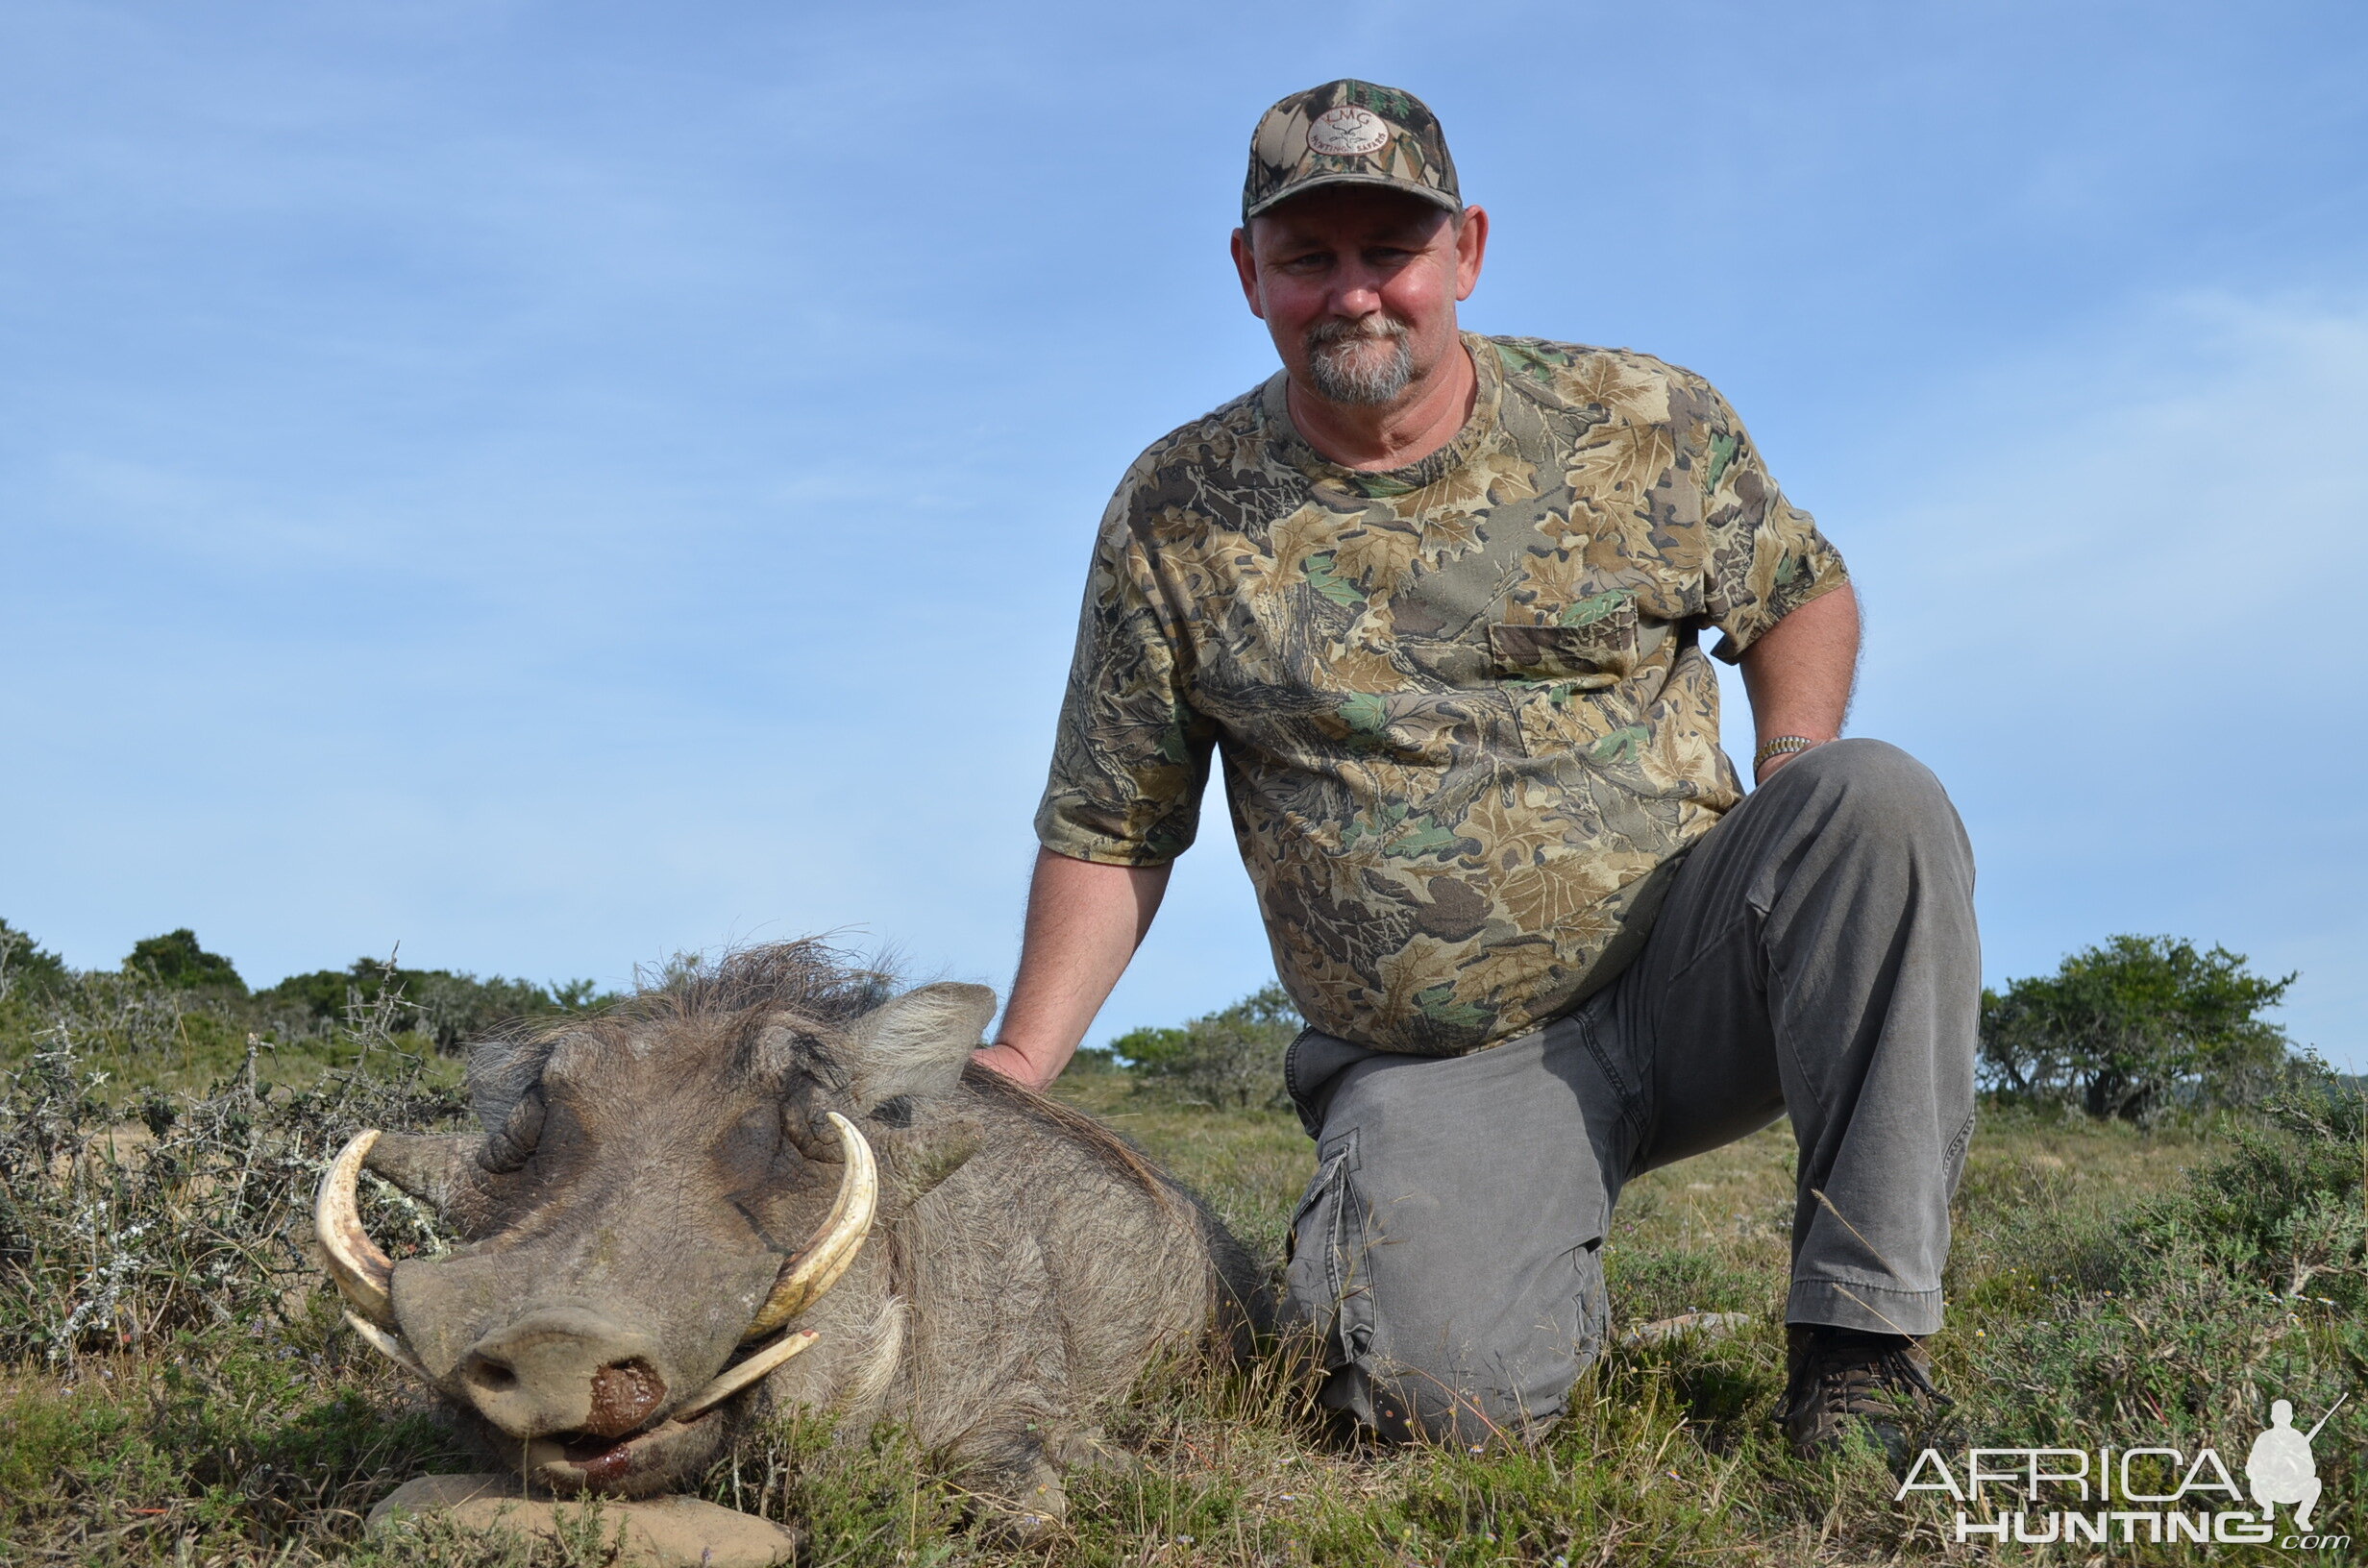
388, 1346
364, 1274
834, 1246
734, 1378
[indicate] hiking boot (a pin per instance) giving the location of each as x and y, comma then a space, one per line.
1842, 1380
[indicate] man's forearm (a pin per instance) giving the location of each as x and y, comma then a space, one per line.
1084, 922
1799, 672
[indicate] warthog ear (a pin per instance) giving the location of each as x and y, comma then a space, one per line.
912, 1047
903, 1059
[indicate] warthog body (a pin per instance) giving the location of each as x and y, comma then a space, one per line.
648, 1178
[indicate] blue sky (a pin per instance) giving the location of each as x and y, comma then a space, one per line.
551, 486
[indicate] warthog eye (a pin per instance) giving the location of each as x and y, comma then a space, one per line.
511, 1148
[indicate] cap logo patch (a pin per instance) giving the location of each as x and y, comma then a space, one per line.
1345, 131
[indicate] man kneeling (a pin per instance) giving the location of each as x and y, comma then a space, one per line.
1438, 599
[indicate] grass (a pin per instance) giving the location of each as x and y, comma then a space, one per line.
174, 1388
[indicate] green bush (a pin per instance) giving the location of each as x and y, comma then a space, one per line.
1231, 1059
25, 966
2181, 1314
176, 960
1092, 1062
449, 1009
2136, 1026
2283, 1207
1143, 1047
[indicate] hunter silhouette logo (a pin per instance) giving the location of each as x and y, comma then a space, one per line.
2280, 1468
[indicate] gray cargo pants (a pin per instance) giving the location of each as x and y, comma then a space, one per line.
1816, 956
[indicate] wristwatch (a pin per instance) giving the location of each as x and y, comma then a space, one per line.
1778, 747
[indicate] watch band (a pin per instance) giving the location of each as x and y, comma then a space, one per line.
1778, 747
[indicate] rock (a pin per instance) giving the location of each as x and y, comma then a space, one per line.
1709, 1325
659, 1531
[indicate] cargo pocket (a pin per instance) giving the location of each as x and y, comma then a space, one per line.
1325, 1278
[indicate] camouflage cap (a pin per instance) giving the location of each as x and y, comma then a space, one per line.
1348, 132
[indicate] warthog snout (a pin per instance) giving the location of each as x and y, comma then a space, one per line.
563, 1370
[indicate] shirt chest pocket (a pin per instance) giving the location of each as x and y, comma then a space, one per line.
1591, 657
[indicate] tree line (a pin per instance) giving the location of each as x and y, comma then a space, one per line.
448, 1007
2126, 1030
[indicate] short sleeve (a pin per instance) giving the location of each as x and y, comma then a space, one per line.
1130, 758
1764, 556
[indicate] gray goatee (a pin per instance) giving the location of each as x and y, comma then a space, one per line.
1364, 362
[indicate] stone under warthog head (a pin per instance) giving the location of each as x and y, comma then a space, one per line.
658, 1203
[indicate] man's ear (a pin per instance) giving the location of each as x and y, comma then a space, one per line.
914, 1046
1471, 248
1245, 266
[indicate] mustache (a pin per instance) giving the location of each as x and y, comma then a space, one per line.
1363, 329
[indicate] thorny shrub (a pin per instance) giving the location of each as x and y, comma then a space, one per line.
114, 1232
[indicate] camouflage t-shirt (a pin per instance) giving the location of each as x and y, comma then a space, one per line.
1467, 725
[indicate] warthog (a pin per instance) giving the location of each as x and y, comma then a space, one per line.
634, 1290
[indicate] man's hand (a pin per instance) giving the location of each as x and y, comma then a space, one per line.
1084, 922
1800, 671
1007, 1061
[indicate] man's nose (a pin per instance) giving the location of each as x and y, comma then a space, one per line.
1356, 293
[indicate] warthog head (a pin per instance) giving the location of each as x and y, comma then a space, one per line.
660, 1198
